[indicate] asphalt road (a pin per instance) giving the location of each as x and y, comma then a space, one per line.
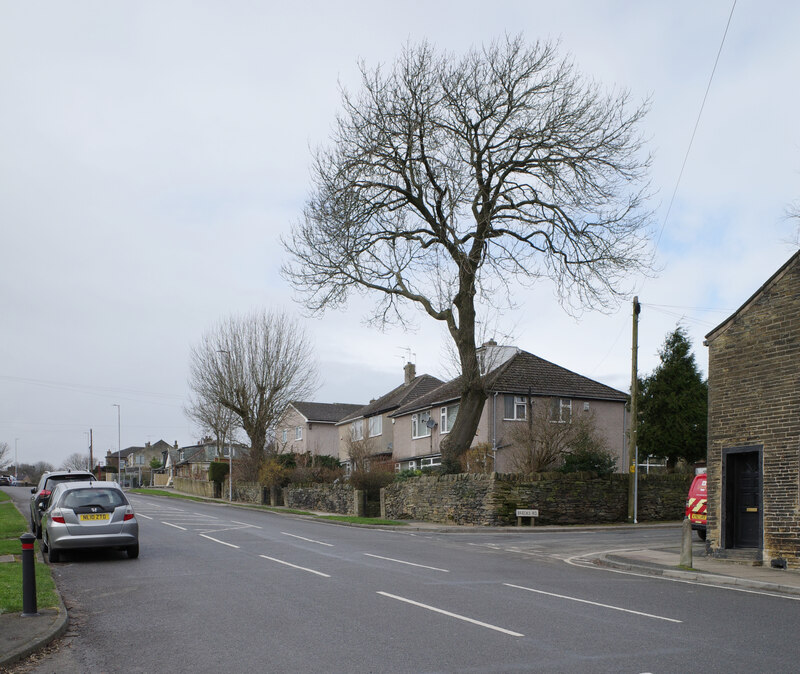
226, 589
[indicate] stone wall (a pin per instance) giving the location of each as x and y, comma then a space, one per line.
491, 500
195, 487
754, 402
329, 498
244, 492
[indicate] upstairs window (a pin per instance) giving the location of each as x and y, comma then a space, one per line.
285, 435
448, 418
298, 433
375, 426
419, 425
515, 408
560, 410
357, 430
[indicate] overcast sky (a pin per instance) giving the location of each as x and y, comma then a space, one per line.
152, 154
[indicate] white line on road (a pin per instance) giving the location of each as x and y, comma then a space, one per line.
452, 615
216, 540
593, 603
170, 524
245, 524
400, 561
145, 516
294, 566
310, 540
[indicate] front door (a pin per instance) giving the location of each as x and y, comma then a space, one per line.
743, 500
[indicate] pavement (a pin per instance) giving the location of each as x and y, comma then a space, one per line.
21, 636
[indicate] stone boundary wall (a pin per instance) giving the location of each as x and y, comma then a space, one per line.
329, 498
195, 487
245, 492
491, 500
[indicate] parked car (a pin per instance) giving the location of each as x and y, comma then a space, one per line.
696, 504
5, 480
89, 515
41, 493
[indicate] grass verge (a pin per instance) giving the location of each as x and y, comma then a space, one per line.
12, 526
363, 520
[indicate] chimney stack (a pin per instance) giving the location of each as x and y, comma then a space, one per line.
410, 371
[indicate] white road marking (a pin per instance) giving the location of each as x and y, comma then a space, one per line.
310, 540
294, 566
216, 540
245, 524
580, 560
452, 615
138, 514
593, 603
400, 561
170, 524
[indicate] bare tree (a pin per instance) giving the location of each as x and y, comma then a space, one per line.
544, 442
210, 416
76, 461
253, 365
5, 454
447, 179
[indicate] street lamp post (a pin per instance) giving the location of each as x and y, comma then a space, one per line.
119, 443
16, 461
230, 448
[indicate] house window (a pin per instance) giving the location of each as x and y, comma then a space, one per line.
448, 418
285, 435
375, 426
412, 465
560, 410
357, 430
514, 408
419, 425
298, 433
431, 461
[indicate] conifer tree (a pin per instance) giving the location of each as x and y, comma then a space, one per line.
673, 405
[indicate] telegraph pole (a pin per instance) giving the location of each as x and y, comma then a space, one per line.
91, 457
632, 467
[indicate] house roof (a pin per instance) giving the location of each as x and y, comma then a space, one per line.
402, 395
771, 281
521, 374
325, 413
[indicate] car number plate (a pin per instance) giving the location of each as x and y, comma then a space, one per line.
93, 516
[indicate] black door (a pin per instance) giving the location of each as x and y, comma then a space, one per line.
743, 500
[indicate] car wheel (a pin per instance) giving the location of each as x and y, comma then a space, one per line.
701, 534
133, 551
54, 555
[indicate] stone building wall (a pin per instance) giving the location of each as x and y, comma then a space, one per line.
195, 487
754, 401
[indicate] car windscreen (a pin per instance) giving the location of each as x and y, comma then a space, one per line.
107, 499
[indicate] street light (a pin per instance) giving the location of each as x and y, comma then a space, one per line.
119, 443
230, 449
16, 461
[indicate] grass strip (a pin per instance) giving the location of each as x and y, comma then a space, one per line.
363, 520
12, 526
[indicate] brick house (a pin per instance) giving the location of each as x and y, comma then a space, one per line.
372, 425
311, 427
754, 426
519, 385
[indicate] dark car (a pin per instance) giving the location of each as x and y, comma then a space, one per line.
85, 515
5, 480
41, 493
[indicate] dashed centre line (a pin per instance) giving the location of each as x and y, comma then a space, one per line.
216, 540
400, 561
593, 603
452, 615
170, 524
295, 566
310, 540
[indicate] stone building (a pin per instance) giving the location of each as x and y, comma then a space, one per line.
754, 426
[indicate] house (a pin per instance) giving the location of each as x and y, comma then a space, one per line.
370, 429
519, 385
753, 462
193, 461
311, 427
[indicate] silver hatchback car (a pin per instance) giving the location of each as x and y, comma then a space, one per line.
89, 515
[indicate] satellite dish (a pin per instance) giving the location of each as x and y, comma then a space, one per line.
430, 423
